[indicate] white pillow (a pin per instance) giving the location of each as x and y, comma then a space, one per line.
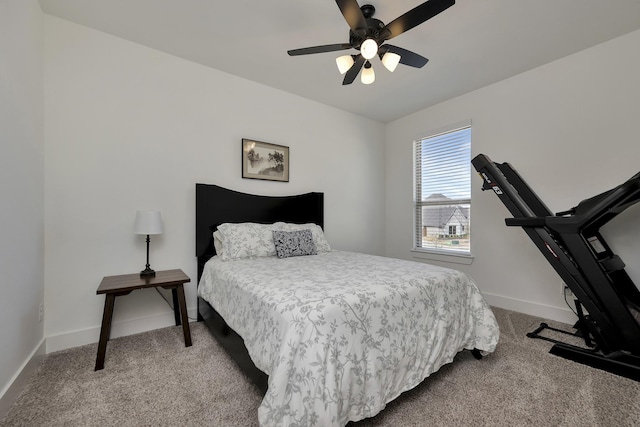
247, 240
318, 235
217, 242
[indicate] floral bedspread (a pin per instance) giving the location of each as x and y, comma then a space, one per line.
341, 334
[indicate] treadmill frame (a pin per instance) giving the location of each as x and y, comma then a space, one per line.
572, 244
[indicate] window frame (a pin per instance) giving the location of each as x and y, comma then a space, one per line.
433, 254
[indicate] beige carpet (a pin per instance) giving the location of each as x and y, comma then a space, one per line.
151, 379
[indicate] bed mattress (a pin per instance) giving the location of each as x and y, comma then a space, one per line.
341, 334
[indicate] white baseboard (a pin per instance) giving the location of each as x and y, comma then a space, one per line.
118, 329
559, 314
15, 386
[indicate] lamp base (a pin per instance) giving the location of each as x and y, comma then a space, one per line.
147, 272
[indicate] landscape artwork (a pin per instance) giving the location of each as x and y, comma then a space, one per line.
261, 160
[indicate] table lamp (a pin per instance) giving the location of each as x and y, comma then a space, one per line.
148, 222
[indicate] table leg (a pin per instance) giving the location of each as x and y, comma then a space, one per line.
176, 311
105, 330
185, 320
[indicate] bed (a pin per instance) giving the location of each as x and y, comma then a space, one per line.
334, 336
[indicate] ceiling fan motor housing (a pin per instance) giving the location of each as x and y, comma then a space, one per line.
372, 32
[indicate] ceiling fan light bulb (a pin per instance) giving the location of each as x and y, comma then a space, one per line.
344, 63
368, 76
390, 61
369, 48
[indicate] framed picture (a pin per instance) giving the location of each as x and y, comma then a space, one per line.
261, 160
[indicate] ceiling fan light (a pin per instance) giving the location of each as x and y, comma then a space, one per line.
369, 48
368, 76
344, 63
390, 61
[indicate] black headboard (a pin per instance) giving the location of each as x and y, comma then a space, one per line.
216, 205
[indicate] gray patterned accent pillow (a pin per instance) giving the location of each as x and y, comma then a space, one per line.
294, 243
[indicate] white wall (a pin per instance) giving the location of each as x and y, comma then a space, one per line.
128, 127
21, 187
570, 129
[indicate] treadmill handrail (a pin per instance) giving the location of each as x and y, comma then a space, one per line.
526, 222
593, 210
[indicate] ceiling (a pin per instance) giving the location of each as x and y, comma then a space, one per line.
470, 45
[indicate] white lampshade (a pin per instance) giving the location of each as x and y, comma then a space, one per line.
369, 48
344, 63
368, 76
148, 222
390, 61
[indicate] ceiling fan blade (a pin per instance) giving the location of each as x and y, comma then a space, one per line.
351, 75
416, 16
353, 15
407, 57
319, 49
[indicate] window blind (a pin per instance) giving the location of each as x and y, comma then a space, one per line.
442, 179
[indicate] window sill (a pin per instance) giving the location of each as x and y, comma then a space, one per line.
442, 256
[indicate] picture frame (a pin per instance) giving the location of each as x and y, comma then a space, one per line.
262, 160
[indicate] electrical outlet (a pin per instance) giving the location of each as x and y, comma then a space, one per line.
567, 293
41, 313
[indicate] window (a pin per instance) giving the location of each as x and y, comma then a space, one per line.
442, 200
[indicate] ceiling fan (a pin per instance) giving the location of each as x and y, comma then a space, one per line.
368, 35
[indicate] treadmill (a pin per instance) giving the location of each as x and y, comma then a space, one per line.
606, 299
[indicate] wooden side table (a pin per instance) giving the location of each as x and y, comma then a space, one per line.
114, 286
